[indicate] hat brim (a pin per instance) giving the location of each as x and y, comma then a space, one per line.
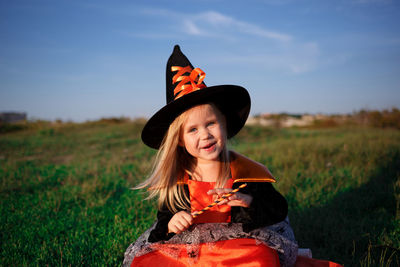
232, 100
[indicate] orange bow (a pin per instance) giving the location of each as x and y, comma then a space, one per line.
187, 83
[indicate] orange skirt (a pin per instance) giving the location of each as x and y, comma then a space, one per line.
234, 252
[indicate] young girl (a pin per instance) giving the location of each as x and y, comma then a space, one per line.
193, 168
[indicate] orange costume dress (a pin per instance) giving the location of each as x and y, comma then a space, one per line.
223, 235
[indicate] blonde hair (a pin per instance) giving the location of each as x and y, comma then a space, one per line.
172, 162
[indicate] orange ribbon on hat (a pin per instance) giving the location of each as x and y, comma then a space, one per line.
187, 83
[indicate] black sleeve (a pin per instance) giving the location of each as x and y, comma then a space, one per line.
160, 232
164, 215
267, 207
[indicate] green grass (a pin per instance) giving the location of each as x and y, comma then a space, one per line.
65, 195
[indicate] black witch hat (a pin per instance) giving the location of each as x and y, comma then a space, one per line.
186, 89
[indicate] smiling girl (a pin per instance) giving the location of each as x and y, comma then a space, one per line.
194, 167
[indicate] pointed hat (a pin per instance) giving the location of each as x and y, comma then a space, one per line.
185, 89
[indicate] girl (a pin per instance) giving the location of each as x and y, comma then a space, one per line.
193, 168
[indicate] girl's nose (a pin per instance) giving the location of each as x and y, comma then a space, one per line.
205, 134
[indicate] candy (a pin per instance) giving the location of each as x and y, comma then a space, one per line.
197, 213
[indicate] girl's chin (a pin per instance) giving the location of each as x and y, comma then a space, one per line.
212, 154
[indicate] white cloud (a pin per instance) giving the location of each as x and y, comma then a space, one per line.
215, 24
215, 18
219, 21
191, 28
271, 49
255, 30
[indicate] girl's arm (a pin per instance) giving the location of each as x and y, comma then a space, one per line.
164, 216
169, 224
160, 232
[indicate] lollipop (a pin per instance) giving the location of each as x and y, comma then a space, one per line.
268, 180
224, 196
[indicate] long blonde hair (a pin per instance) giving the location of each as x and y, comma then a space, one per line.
172, 162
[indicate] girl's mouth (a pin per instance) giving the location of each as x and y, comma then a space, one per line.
209, 147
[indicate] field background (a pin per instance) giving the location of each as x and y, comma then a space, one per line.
65, 195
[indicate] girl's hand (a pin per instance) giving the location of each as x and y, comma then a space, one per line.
180, 222
237, 199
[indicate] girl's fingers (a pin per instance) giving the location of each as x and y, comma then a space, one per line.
233, 197
241, 200
188, 218
186, 223
180, 222
174, 229
181, 226
223, 202
219, 191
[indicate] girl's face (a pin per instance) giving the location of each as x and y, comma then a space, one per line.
203, 133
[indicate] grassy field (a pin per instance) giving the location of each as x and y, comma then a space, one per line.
66, 200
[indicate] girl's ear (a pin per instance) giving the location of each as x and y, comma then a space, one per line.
180, 143
180, 136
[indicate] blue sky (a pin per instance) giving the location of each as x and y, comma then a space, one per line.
83, 60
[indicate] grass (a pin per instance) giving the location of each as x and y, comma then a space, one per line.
65, 195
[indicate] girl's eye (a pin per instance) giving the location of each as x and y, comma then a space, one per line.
191, 130
211, 123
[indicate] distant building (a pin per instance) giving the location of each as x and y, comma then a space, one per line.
11, 117
283, 120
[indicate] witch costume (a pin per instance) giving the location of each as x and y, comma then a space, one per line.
259, 235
